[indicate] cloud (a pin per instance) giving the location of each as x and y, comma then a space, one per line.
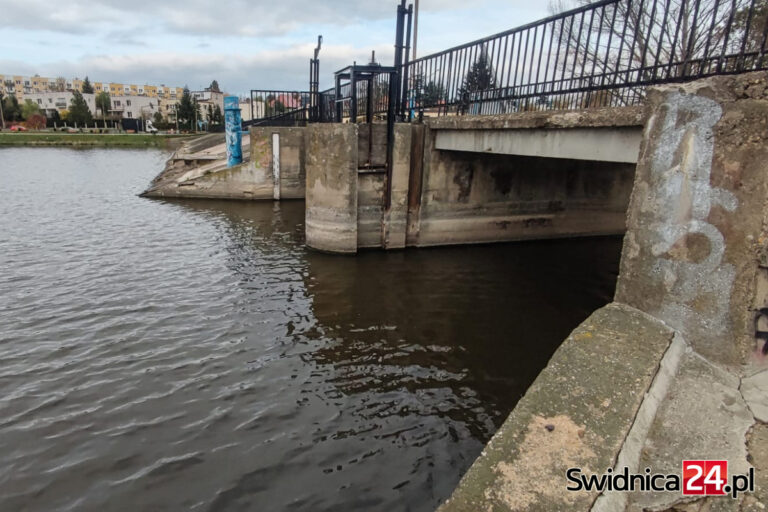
285, 68
246, 18
244, 44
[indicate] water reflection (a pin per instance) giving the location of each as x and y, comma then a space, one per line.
420, 354
194, 356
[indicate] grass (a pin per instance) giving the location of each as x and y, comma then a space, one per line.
88, 139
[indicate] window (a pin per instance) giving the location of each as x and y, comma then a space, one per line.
39, 102
127, 103
117, 103
129, 114
50, 100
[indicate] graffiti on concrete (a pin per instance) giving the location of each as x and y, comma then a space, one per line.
688, 250
234, 132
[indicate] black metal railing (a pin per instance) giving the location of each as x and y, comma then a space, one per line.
279, 108
602, 54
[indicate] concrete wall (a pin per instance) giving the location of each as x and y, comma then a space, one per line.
199, 168
372, 145
696, 225
479, 182
332, 187
292, 147
474, 198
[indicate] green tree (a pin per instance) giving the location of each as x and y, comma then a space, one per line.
427, 94
186, 110
480, 77
78, 110
103, 103
87, 87
215, 86
29, 109
157, 119
11, 109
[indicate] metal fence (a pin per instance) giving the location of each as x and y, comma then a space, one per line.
279, 108
602, 54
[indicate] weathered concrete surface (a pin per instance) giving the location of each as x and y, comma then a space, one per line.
632, 449
372, 145
395, 222
371, 191
616, 144
593, 118
589, 392
478, 198
757, 444
696, 220
332, 193
755, 391
292, 157
704, 417
199, 169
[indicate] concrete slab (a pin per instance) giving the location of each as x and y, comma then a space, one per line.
755, 392
704, 417
618, 144
577, 413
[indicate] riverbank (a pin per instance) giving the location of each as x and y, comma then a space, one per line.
92, 139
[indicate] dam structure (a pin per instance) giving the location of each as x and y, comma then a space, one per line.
616, 118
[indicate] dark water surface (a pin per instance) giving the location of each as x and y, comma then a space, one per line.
193, 355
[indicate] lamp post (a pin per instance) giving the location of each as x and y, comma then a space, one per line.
2, 116
415, 27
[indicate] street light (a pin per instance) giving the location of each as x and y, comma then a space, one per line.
415, 27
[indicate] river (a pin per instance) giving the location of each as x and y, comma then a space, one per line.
193, 355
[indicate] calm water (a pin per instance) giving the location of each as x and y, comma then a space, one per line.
193, 355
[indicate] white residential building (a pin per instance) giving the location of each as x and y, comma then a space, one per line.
134, 107
48, 102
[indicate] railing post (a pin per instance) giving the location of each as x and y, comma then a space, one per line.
404, 72
337, 100
353, 96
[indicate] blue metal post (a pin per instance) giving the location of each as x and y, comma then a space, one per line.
234, 130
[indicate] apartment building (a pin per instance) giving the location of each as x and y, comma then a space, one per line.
48, 102
134, 107
22, 86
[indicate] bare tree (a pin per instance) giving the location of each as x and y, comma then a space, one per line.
641, 41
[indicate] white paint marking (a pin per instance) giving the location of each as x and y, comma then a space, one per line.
276, 164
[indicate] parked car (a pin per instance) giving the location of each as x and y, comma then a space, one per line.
17, 128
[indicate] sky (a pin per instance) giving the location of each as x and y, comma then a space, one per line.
243, 44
